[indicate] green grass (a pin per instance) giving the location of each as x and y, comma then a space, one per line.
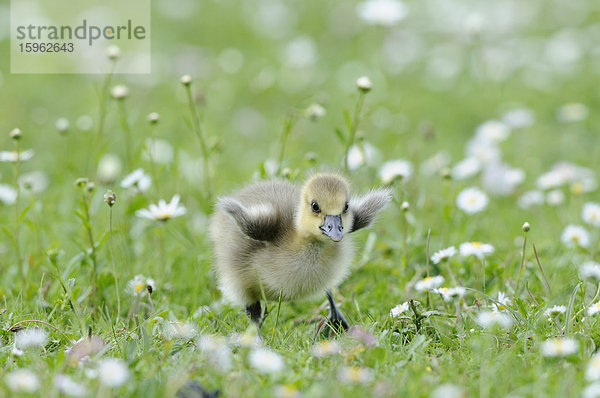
56, 279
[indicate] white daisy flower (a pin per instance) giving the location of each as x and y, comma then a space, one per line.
355, 374
399, 309
502, 302
84, 122
489, 319
591, 214
247, 339
17, 352
394, 169
448, 390
555, 310
559, 347
326, 348
531, 198
593, 309
519, 118
163, 211
356, 157
492, 131
549, 180
443, 254
69, 387
34, 181
478, 249
113, 372
113, 52
364, 83
119, 92
472, 200
435, 163
583, 185
429, 283
109, 169
315, 112
31, 337
555, 197
582, 178
265, 360
450, 293
466, 168
62, 124
179, 330
13, 156
502, 179
158, 151
216, 351
286, 391
382, 12
591, 391
590, 269
8, 195
484, 151
22, 381
575, 235
592, 371
140, 286
572, 112
137, 179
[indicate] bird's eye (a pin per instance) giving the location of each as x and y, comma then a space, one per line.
315, 207
346, 208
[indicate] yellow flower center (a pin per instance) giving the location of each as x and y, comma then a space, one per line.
354, 373
139, 287
577, 188
164, 216
575, 238
560, 346
477, 244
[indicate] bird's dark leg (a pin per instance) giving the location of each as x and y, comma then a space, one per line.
336, 319
254, 312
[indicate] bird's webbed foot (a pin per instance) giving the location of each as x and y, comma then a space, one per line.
254, 312
336, 323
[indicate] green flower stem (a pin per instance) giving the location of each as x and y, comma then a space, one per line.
203, 145
288, 125
90, 235
112, 256
522, 269
20, 262
126, 130
354, 126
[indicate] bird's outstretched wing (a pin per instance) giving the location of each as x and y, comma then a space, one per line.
365, 208
259, 222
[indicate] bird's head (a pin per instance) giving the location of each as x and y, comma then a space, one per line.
323, 211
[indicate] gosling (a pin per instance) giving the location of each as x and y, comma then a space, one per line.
274, 240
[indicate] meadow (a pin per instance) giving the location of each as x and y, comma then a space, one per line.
480, 279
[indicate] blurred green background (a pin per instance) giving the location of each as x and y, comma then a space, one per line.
440, 68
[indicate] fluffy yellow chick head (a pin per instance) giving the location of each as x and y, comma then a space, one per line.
323, 211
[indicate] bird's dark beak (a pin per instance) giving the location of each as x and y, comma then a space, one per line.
332, 227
